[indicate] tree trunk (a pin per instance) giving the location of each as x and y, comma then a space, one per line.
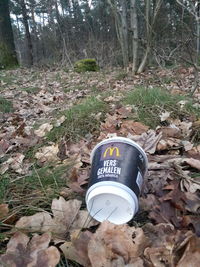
121, 28
27, 33
34, 31
134, 31
8, 56
148, 34
125, 49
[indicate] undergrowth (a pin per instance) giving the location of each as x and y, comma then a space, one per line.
5, 105
80, 120
30, 193
149, 103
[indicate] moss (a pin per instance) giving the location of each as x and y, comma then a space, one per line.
87, 64
7, 58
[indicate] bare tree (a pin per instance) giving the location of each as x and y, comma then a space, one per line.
150, 21
134, 31
193, 7
7, 48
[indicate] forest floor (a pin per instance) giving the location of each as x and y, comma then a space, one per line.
50, 119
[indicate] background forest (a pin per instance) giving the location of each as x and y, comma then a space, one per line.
144, 85
133, 33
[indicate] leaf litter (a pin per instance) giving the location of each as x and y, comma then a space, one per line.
170, 233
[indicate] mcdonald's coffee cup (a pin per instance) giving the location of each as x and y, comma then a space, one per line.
118, 168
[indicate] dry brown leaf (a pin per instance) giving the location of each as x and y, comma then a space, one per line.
3, 210
167, 244
168, 143
77, 179
189, 184
77, 250
148, 141
187, 145
4, 145
15, 163
192, 202
116, 242
20, 252
170, 131
67, 216
164, 116
191, 254
194, 152
124, 112
132, 127
185, 126
60, 121
48, 154
40, 221
195, 163
43, 129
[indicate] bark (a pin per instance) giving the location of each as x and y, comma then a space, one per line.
148, 33
34, 30
125, 49
121, 28
7, 48
150, 22
27, 33
134, 31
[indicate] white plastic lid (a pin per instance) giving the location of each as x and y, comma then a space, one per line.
111, 203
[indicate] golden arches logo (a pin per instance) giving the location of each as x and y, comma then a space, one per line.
111, 150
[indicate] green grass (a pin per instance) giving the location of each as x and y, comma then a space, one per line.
35, 191
150, 102
80, 120
5, 105
5, 78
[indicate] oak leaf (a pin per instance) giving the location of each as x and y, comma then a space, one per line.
67, 216
29, 253
116, 242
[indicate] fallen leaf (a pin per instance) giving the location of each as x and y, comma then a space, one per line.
4, 145
168, 143
116, 242
189, 184
192, 202
187, 145
40, 221
67, 216
77, 250
148, 140
15, 163
124, 112
133, 128
164, 116
36, 252
191, 254
43, 129
3, 210
195, 163
59, 121
194, 152
78, 178
48, 154
170, 131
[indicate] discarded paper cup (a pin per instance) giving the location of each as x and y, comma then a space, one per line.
118, 167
